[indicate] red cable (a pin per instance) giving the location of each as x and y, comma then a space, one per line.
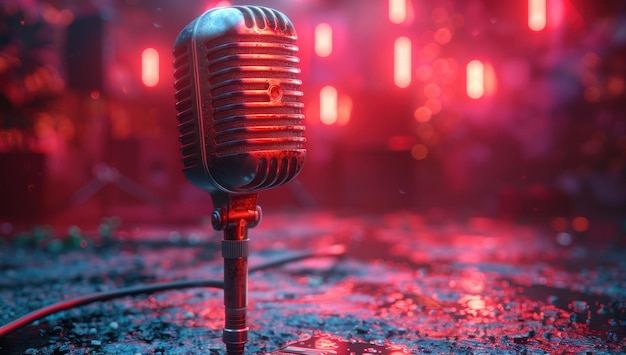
103, 296
335, 250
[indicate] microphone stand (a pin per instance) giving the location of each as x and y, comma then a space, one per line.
235, 214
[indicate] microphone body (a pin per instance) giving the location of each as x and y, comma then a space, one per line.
240, 128
238, 100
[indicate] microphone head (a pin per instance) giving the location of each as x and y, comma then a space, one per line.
238, 100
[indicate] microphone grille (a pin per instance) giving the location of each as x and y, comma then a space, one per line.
254, 87
238, 98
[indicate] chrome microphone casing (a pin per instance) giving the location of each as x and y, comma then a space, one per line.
238, 100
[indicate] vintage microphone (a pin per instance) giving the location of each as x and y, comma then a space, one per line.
240, 123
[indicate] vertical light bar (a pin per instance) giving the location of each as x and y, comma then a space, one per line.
397, 11
475, 83
328, 105
537, 14
150, 67
323, 40
402, 62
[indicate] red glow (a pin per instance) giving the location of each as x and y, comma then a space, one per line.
323, 40
397, 11
537, 14
150, 67
424, 72
344, 110
400, 143
328, 105
419, 152
402, 62
556, 13
443, 35
434, 105
559, 224
580, 224
432, 90
214, 4
475, 85
491, 82
422, 114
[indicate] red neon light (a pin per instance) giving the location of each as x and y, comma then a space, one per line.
323, 40
328, 105
397, 11
475, 84
402, 62
537, 14
150, 67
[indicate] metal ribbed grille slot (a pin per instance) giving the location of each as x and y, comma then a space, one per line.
261, 17
255, 93
184, 106
274, 173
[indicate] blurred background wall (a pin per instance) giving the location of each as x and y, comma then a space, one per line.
508, 109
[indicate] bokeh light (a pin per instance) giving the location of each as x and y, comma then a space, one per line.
419, 152
323, 40
422, 114
475, 73
328, 105
402, 62
580, 224
397, 11
150, 67
537, 14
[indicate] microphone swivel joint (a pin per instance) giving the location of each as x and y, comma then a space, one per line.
221, 217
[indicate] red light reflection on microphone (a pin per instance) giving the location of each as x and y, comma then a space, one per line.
150, 67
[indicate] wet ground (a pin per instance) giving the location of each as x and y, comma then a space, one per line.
405, 284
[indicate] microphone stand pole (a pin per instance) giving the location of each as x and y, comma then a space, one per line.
235, 214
